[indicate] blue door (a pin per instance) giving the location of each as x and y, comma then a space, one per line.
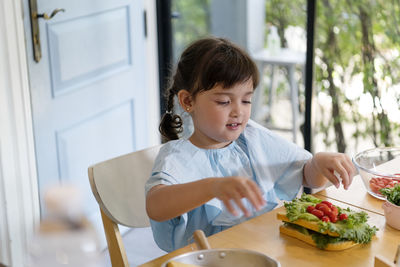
89, 89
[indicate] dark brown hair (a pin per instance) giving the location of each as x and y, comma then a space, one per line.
204, 64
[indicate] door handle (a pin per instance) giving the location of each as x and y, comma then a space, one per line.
37, 51
47, 17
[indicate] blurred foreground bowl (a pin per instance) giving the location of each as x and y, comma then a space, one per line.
392, 214
378, 168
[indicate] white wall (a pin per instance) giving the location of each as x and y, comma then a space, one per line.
19, 204
19, 212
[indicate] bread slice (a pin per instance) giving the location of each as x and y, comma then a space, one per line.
312, 225
308, 239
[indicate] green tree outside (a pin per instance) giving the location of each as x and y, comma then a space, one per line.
357, 63
356, 66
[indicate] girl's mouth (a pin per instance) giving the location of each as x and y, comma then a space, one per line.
233, 125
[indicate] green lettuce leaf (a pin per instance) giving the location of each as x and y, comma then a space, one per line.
320, 240
392, 194
355, 228
359, 233
299, 228
297, 209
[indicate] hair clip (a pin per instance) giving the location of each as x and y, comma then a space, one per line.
168, 112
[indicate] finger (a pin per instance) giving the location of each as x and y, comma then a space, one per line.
344, 175
331, 177
248, 193
351, 170
239, 203
259, 201
348, 164
346, 167
354, 170
229, 207
338, 177
237, 198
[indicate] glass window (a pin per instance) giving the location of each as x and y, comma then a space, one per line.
357, 85
283, 75
190, 21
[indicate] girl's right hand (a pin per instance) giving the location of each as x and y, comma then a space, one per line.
235, 188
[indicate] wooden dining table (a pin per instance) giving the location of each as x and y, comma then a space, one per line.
262, 234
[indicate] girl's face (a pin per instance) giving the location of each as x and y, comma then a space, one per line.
220, 115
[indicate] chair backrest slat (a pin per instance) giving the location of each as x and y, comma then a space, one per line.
118, 186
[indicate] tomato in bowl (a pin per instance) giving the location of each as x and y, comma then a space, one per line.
379, 168
377, 183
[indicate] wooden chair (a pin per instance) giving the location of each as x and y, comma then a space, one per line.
118, 186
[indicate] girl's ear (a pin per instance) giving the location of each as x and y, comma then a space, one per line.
185, 100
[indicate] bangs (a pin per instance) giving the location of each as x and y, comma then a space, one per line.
226, 66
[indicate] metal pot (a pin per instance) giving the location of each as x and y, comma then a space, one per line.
222, 257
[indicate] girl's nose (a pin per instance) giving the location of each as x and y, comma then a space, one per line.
236, 110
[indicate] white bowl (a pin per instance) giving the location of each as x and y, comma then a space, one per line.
392, 214
378, 168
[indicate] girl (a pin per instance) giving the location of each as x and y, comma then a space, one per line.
230, 168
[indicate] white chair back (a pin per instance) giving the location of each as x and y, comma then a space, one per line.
118, 186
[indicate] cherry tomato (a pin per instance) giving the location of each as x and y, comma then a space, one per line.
319, 205
374, 188
343, 216
325, 210
333, 217
335, 210
310, 209
377, 183
317, 213
329, 213
329, 204
325, 219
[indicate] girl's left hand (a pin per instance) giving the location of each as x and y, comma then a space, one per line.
328, 163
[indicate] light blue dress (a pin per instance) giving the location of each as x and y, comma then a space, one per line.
275, 164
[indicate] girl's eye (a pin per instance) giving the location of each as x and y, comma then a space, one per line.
246, 101
223, 102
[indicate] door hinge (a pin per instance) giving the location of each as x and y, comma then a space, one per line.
145, 23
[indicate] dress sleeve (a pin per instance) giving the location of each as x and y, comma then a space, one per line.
164, 168
277, 163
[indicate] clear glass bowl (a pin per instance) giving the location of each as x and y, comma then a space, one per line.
378, 168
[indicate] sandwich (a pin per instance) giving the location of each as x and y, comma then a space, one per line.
324, 225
